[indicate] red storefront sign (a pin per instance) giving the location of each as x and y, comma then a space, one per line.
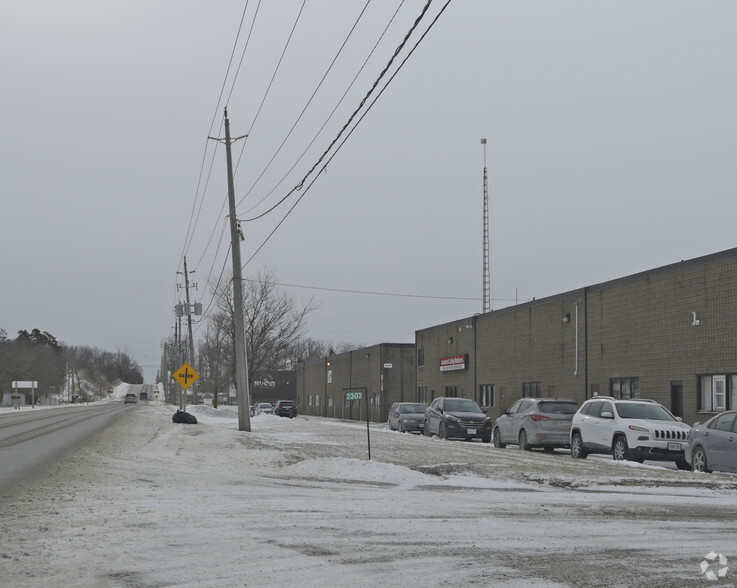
457, 362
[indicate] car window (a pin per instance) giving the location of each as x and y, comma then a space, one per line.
724, 422
586, 408
411, 408
461, 405
557, 407
393, 408
525, 405
515, 407
648, 411
595, 409
607, 407
437, 403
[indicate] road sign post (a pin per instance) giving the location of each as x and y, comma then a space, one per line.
359, 394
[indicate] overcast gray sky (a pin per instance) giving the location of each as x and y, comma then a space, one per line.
611, 149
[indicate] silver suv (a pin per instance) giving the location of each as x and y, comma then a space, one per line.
635, 430
536, 422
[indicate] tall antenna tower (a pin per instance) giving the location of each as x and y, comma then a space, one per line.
487, 278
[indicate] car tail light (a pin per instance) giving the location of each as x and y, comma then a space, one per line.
539, 417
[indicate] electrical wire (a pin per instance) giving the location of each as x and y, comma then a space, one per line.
300, 185
271, 234
371, 293
306, 106
276, 70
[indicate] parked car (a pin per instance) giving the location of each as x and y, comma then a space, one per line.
713, 445
457, 418
536, 422
407, 416
634, 430
130, 399
263, 408
287, 408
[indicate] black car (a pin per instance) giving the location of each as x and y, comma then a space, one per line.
458, 418
143, 395
286, 408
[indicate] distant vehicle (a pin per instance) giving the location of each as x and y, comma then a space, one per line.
407, 416
130, 399
458, 418
536, 422
144, 396
634, 430
287, 408
713, 445
263, 408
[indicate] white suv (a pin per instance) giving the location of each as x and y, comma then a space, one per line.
635, 430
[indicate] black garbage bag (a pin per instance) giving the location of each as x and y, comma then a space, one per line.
182, 416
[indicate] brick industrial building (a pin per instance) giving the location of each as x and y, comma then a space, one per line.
669, 334
383, 374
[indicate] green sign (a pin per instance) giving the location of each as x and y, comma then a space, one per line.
354, 395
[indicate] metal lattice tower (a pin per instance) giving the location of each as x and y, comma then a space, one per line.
486, 273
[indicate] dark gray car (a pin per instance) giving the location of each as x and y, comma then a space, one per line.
457, 418
536, 422
713, 445
407, 416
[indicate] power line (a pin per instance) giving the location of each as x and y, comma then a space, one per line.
306, 190
371, 293
324, 124
273, 77
309, 101
300, 185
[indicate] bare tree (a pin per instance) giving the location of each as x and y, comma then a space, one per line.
274, 322
216, 355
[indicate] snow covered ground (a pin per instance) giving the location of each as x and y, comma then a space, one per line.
296, 502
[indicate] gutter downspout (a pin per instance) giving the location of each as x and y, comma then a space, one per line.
586, 342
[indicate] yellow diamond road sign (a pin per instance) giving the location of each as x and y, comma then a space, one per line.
186, 375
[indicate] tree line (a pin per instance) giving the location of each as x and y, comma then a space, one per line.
60, 369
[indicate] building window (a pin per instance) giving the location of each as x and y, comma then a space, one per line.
422, 394
420, 357
532, 390
330, 400
317, 400
486, 394
309, 400
377, 400
451, 391
625, 388
713, 395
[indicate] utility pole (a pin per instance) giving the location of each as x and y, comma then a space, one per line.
189, 327
241, 360
486, 271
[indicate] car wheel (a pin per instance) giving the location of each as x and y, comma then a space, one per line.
682, 465
619, 449
577, 449
699, 460
390, 425
498, 439
426, 430
441, 431
523, 441
486, 438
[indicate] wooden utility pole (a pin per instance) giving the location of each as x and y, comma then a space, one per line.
241, 360
189, 326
